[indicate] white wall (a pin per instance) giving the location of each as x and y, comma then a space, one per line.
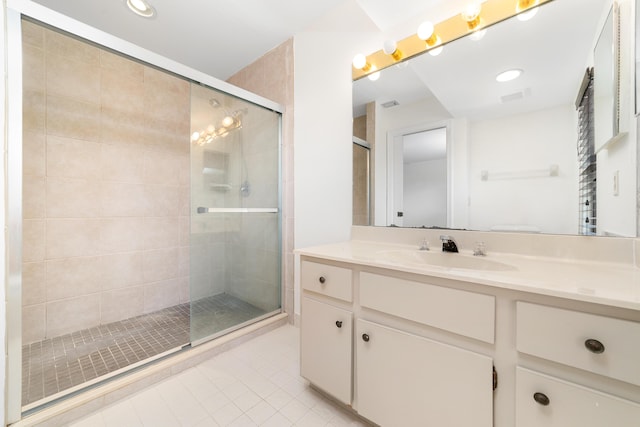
521, 144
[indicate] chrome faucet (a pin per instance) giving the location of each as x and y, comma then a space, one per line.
448, 244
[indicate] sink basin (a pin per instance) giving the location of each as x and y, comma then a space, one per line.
446, 260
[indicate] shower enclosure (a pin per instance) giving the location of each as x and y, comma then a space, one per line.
150, 214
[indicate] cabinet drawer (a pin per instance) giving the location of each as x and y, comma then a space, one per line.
562, 336
568, 404
327, 280
461, 312
326, 348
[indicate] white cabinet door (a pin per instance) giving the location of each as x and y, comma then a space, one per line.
406, 380
325, 345
544, 401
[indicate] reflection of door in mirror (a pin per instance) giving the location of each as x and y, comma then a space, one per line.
361, 180
420, 179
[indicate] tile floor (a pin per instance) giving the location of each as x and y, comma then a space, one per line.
254, 384
57, 364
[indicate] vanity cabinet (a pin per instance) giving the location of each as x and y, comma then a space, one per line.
406, 380
326, 329
543, 400
428, 350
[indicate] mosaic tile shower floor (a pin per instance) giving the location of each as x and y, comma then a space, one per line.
57, 364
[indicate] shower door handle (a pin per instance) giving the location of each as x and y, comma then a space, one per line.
202, 210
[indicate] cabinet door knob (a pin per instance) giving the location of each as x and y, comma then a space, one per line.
594, 346
322, 279
339, 323
365, 337
541, 398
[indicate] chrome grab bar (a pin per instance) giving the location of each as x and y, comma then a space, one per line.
202, 210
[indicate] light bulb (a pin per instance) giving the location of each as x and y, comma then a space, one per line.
425, 30
227, 121
436, 51
375, 75
471, 14
211, 128
390, 47
471, 10
478, 35
525, 16
195, 136
359, 61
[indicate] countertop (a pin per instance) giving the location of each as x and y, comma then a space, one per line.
611, 284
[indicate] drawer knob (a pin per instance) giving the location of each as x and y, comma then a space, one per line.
541, 398
594, 346
322, 279
365, 337
339, 323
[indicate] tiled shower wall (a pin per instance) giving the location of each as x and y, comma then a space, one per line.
271, 76
106, 186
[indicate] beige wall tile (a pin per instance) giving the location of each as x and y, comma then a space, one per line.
72, 198
33, 69
124, 66
166, 97
183, 261
160, 264
71, 48
121, 163
33, 323
72, 158
161, 168
72, 118
121, 234
184, 231
73, 79
33, 153
33, 197
33, 240
121, 304
33, 283
162, 232
33, 111
71, 277
122, 90
162, 200
123, 199
67, 238
123, 128
32, 34
122, 270
161, 295
185, 290
72, 314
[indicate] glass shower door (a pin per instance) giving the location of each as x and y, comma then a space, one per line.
235, 271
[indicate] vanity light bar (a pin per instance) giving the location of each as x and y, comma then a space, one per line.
493, 11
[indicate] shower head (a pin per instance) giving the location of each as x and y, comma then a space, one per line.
214, 103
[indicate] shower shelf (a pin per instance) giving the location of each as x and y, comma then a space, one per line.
223, 188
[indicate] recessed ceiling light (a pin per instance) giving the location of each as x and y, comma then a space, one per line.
508, 75
141, 7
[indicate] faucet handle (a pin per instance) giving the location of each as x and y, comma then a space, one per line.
424, 246
479, 249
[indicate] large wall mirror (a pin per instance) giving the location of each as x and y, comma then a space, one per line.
512, 160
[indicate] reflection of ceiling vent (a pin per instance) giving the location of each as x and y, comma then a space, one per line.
390, 104
515, 96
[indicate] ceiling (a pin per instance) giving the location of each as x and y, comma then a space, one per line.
220, 37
